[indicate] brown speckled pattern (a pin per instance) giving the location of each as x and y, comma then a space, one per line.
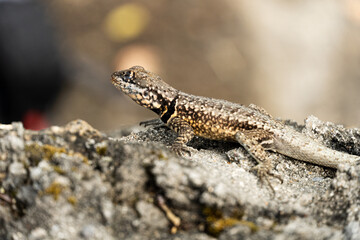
251, 126
218, 120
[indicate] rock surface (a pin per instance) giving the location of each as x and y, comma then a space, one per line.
75, 182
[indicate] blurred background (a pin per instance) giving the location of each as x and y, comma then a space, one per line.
294, 58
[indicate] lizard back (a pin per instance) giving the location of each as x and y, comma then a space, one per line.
217, 119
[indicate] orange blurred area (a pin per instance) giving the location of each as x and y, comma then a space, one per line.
136, 54
292, 58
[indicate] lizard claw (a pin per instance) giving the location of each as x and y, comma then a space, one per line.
264, 171
181, 150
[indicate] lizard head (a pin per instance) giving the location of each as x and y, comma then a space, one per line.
145, 88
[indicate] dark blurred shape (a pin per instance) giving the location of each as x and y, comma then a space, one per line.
31, 74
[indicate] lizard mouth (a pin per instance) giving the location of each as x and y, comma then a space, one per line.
120, 82
124, 81
126, 86
116, 82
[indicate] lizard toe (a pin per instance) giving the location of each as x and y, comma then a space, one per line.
181, 150
263, 171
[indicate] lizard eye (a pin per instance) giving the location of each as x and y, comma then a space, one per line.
128, 75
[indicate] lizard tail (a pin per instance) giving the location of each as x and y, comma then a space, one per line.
296, 145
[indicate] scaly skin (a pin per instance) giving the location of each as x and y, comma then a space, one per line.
251, 126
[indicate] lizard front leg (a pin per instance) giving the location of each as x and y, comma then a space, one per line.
184, 134
256, 143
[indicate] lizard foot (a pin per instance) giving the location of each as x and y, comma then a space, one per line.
181, 150
263, 170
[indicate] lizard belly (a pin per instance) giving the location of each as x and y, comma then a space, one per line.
212, 129
215, 132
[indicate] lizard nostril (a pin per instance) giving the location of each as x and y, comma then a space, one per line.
115, 75
124, 75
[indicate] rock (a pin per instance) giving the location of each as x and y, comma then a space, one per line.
352, 230
38, 234
335, 136
76, 182
16, 176
151, 215
236, 232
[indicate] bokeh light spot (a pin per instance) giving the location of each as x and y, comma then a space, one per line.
126, 22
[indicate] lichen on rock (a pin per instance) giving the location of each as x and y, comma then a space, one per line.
75, 181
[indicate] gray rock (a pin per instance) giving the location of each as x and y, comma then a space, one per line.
16, 176
151, 215
236, 232
75, 182
352, 231
38, 234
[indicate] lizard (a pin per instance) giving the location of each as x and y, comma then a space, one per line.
251, 126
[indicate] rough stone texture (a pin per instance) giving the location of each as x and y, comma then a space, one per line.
75, 182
